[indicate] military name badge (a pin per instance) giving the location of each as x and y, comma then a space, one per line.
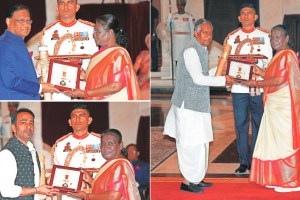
92, 148
67, 147
237, 39
81, 36
258, 40
185, 19
55, 35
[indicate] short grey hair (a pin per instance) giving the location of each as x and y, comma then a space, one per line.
199, 22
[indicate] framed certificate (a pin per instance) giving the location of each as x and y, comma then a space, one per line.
239, 71
64, 75
66, 179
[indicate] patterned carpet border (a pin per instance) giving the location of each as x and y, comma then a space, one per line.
214, 180
162, 147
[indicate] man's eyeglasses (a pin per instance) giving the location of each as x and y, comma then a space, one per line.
23, 21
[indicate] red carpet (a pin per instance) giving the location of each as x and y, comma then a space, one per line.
167, 188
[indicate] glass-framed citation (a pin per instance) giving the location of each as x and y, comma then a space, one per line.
240, 67
239, 71
66, 179
64, 75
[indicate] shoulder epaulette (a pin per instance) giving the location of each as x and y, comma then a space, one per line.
63, 137
54, 146
188, 13
231, 33
49, 26
264, 30
86, 22
234, 31
96, 134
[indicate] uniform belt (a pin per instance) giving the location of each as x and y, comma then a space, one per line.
182, 33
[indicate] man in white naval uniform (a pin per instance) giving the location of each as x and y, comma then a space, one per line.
189, 119
69, 36
79, 148
248, 40
182, 25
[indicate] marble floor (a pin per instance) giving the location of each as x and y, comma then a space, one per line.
224, 135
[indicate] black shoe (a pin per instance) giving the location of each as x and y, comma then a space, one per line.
249, 168
243, 169
204, 184
191, 188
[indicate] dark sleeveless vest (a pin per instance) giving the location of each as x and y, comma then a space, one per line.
25, 166
195, 97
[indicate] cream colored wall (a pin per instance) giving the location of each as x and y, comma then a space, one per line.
273, 11
36, 109
194, 7
37, 136
125, 117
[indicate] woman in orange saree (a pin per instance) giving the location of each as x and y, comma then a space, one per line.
110, 74
276, 157
142, 69
115, 180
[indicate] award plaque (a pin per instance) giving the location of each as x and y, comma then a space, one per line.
64, 75
240, 67
240, 71
66, 179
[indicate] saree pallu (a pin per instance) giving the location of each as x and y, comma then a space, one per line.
111, 65
117, 175
276, 157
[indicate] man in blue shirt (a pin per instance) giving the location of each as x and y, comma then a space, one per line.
18, 79
141, 169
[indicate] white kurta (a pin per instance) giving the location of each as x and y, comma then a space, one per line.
192, 130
